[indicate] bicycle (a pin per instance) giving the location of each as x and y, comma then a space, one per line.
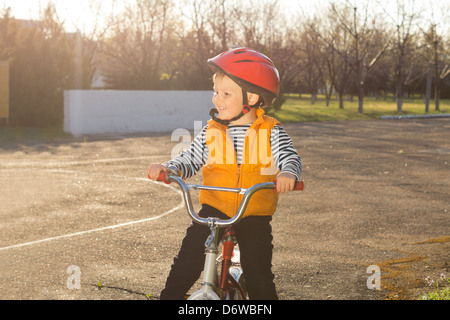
230, 285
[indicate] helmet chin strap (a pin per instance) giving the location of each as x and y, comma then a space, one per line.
245, 109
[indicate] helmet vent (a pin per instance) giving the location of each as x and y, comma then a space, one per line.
245, 60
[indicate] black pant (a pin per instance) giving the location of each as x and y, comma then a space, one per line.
254, 235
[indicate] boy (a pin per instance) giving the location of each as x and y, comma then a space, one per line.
237, 148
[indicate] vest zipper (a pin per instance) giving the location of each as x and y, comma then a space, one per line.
238, 173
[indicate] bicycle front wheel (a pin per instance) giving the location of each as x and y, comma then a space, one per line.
236, 289
205, 293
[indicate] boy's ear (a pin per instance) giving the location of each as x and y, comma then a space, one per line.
252, 98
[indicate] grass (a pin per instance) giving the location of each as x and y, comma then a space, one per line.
300, 109
14, 135
441, 292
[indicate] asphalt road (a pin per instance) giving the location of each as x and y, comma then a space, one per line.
79, 219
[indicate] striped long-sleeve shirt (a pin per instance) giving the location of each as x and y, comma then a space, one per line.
286, 158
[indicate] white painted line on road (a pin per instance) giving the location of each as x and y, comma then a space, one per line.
179, 206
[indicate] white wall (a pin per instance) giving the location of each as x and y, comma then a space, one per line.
90, 112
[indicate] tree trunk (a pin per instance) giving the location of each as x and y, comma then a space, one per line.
428, 92
360, 98
399, 93
341, 100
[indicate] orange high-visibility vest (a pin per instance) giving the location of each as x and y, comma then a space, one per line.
257, 166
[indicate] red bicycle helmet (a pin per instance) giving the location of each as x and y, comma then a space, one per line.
251, 70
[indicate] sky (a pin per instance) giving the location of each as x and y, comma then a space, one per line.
76, 14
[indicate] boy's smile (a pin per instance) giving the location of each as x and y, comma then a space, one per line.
228, 99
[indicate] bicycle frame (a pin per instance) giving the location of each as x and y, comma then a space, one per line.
207, 291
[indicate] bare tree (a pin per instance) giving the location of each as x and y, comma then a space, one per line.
337, 53
435, 26
87, 40
8, 34
220, 22
134, 51
258, 23
197, 43
366, 41
313, 53
338, 63
441, 67
402, 42
40, 68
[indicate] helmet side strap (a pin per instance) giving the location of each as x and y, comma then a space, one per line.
246, 107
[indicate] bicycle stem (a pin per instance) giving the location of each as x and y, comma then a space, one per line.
211, 252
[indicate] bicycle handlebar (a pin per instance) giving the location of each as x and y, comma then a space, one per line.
174, 175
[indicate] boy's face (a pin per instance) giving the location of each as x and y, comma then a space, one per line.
227, 97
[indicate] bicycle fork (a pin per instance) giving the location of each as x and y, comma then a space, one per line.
209, 271
227, 280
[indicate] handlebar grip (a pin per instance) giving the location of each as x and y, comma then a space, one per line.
162, 177
299, 185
